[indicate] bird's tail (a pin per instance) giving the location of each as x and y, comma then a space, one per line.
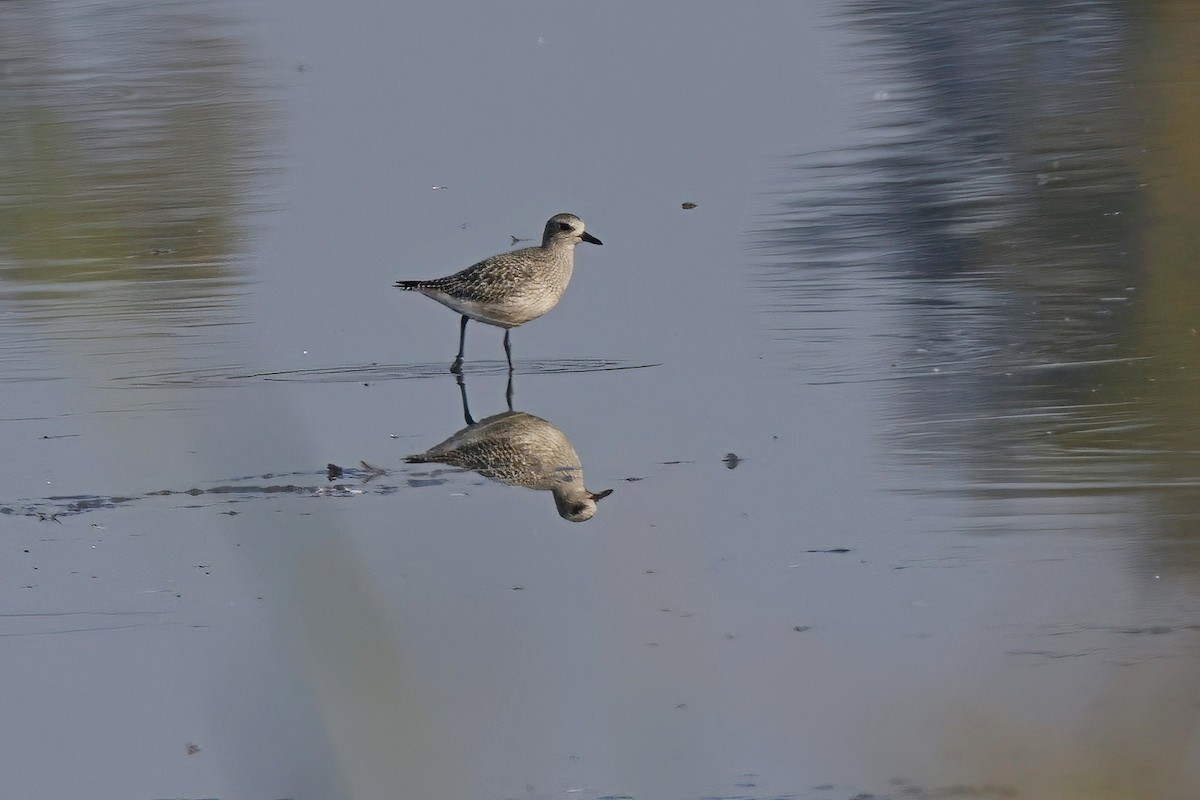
407, 286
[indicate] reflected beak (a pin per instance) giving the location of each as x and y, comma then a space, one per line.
587, 237
599, 495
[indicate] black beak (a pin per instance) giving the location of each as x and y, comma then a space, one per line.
598, 496
587, 237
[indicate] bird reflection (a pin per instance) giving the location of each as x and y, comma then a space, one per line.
518, 449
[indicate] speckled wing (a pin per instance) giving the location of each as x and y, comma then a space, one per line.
492, 279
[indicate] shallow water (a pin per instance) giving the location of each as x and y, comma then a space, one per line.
935, 297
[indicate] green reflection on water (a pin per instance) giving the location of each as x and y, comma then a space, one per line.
130, 147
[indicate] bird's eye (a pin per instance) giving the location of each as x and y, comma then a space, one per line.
564, 226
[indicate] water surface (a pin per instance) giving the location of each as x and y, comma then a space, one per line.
934, 295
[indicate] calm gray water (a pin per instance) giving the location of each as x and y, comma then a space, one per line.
936, 296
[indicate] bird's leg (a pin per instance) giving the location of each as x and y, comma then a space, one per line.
508, 351
462, 388
456, 367
508, 392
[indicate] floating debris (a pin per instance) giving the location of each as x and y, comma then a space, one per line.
372, 470
732, 460
687, 206
333, 472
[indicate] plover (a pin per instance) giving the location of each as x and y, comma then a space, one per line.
510, 289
